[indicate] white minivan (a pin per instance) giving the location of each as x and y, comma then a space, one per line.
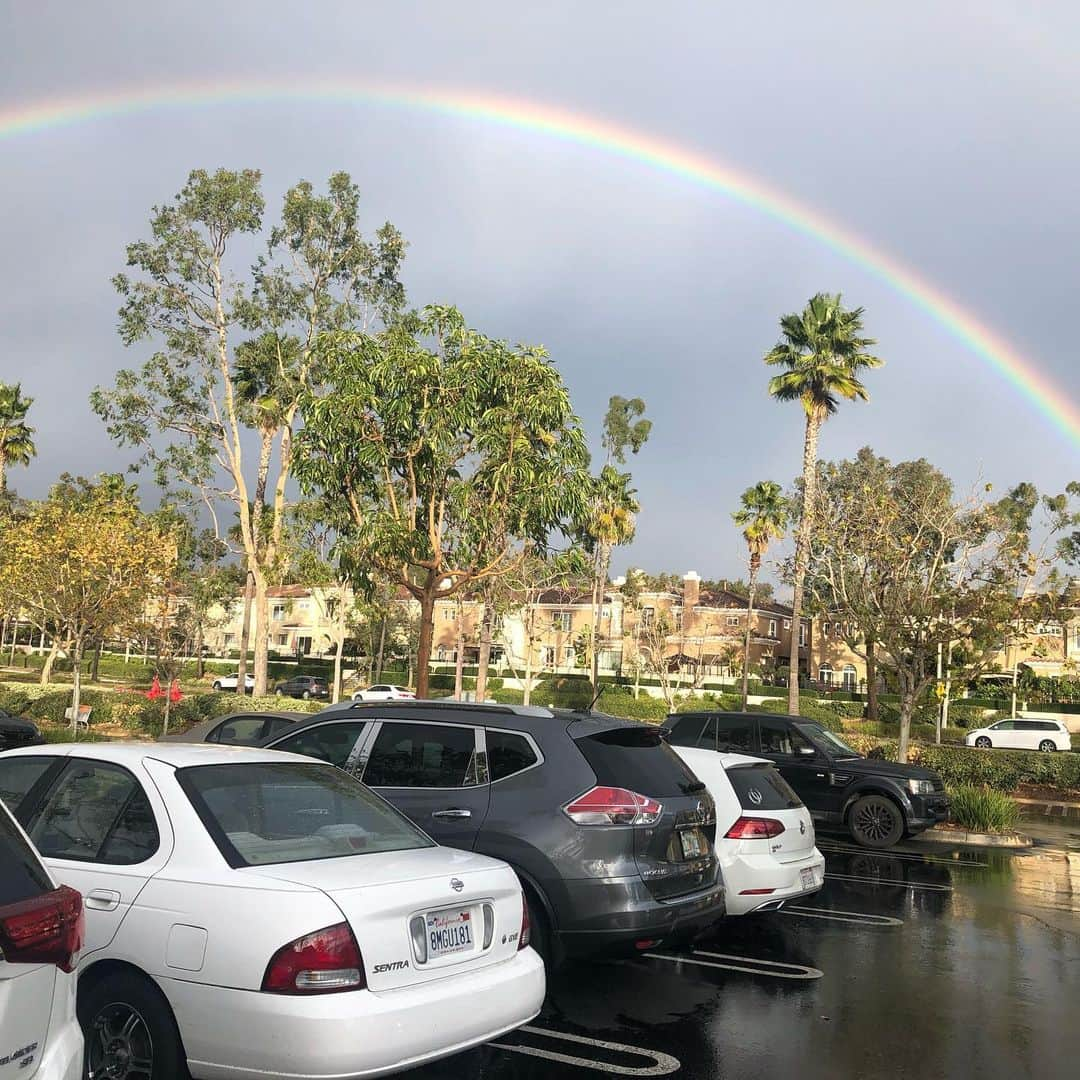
1022, 733
41, 929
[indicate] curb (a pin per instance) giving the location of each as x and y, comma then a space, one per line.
975, 839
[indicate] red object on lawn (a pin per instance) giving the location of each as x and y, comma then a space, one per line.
174, 691
155, 690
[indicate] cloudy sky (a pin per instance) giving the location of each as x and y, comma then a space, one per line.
944, 135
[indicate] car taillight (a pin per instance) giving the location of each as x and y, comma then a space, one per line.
48, 929
526, 927
325, 962
754, 828
613, 806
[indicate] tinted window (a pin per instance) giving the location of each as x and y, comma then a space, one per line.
1003, 725
327, 742
267, 812
508, 754
827, 739
686, 730
729, 733
96, 812
275, 725
761, 787
421, 755
18, 775
636, 758
21, 874
380, 689
239, 731
779, 737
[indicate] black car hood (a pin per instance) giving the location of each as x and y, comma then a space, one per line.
879, 767
17, 724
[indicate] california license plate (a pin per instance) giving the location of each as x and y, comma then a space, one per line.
449, 931
694, 843
807, 877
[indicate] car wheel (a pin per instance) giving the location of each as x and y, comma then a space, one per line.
129, 1031
1047, 746
983, 743
875, 821
279, 692
217, 685
540, 931
306, 694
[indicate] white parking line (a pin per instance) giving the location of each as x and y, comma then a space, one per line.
891, 881
909, 856
662, 1064
859, 918
749, 965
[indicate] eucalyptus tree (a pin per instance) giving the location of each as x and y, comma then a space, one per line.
237, 347
823, 353
446, 453
16, 436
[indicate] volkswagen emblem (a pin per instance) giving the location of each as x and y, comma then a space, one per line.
754, 796
457, 884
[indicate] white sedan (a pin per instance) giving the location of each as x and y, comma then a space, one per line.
764, 834
384, 692
254, 913
1022, 733
232, 681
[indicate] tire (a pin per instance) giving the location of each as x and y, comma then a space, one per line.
983, 743
306, 695
540, 936
1048, 746
151, 1050
217, 685
278, 692
875, 821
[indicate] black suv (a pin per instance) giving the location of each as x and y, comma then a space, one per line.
17, 731
877, 801
303, 686
609, 832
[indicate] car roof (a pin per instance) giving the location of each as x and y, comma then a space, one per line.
179, 755
396, 710
739, 712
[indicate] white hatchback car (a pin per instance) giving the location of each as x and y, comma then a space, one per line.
764, 834
384, 692
232, 681
41, 928
254, 913
1021, 733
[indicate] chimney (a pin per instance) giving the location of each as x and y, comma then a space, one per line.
691, 595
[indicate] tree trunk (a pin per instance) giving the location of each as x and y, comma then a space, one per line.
168, 707
529, 627
76, 689
382, 650
487, 630
95, 662
423, 644
200, 663
46, 668
261, 651
245, 632
755, 567
802, 554
599, 587
335, 693
871, 681
907, 707
459, 655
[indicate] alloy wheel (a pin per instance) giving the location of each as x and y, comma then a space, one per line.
874, 821
1047, 747
119, 1046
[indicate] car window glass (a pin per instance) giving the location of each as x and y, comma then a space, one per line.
761, 787
18, 775
275, 725
327, 742
21, 874
779, 737
421, 755
733, 733
90, 802
381, 689
1005, 725
240, 731
686, 731
508, 753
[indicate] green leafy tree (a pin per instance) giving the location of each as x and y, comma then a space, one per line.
188, 407
823, 354
763, 517
446, 452
16, 436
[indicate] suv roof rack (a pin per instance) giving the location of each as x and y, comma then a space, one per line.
447, 704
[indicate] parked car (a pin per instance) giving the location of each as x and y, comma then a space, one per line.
878, 802
41, 931
259, 914
303, 686
1021, 733
238, 728
18, 731
765, 837
384, 692
232, 681
610, 833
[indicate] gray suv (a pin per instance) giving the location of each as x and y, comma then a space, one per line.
609, 832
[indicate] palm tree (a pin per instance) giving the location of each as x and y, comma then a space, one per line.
763, 517
16, 436
823, 352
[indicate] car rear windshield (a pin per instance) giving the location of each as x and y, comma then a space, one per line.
21, 874
282, 812
637, 758
761, 787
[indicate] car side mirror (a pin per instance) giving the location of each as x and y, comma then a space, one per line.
806, 751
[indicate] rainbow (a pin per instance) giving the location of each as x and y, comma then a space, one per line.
588, 131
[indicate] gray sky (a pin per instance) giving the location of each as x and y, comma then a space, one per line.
946, 135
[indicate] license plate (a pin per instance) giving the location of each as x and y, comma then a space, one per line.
807, 877
694, 843
449, 932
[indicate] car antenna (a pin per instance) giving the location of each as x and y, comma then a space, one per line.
596, 697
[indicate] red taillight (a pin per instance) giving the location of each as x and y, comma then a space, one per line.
45, 930
754, 828
526, 928
613, 806
325, 962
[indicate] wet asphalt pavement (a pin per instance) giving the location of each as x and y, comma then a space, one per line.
927, 961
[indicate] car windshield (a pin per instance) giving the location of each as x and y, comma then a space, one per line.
827, 740
261, 813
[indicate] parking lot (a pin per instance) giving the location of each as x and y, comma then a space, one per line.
926, 961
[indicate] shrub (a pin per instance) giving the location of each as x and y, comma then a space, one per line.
983, 809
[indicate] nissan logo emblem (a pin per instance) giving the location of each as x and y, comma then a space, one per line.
754, 796
457, 884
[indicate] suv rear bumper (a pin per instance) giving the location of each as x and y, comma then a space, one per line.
613, 915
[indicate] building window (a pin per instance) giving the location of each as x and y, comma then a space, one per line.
733, 620
802, 635
787, 624
772, 628
825, 629
229, 640
605, 611
849, 676
569, 655
561, 622
547, 656
282, 639
279, 612
648, 616
825, 674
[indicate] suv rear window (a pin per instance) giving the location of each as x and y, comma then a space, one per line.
761, 787
638, 759
21, 874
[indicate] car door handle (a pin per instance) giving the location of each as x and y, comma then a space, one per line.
103, 900
451, 814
